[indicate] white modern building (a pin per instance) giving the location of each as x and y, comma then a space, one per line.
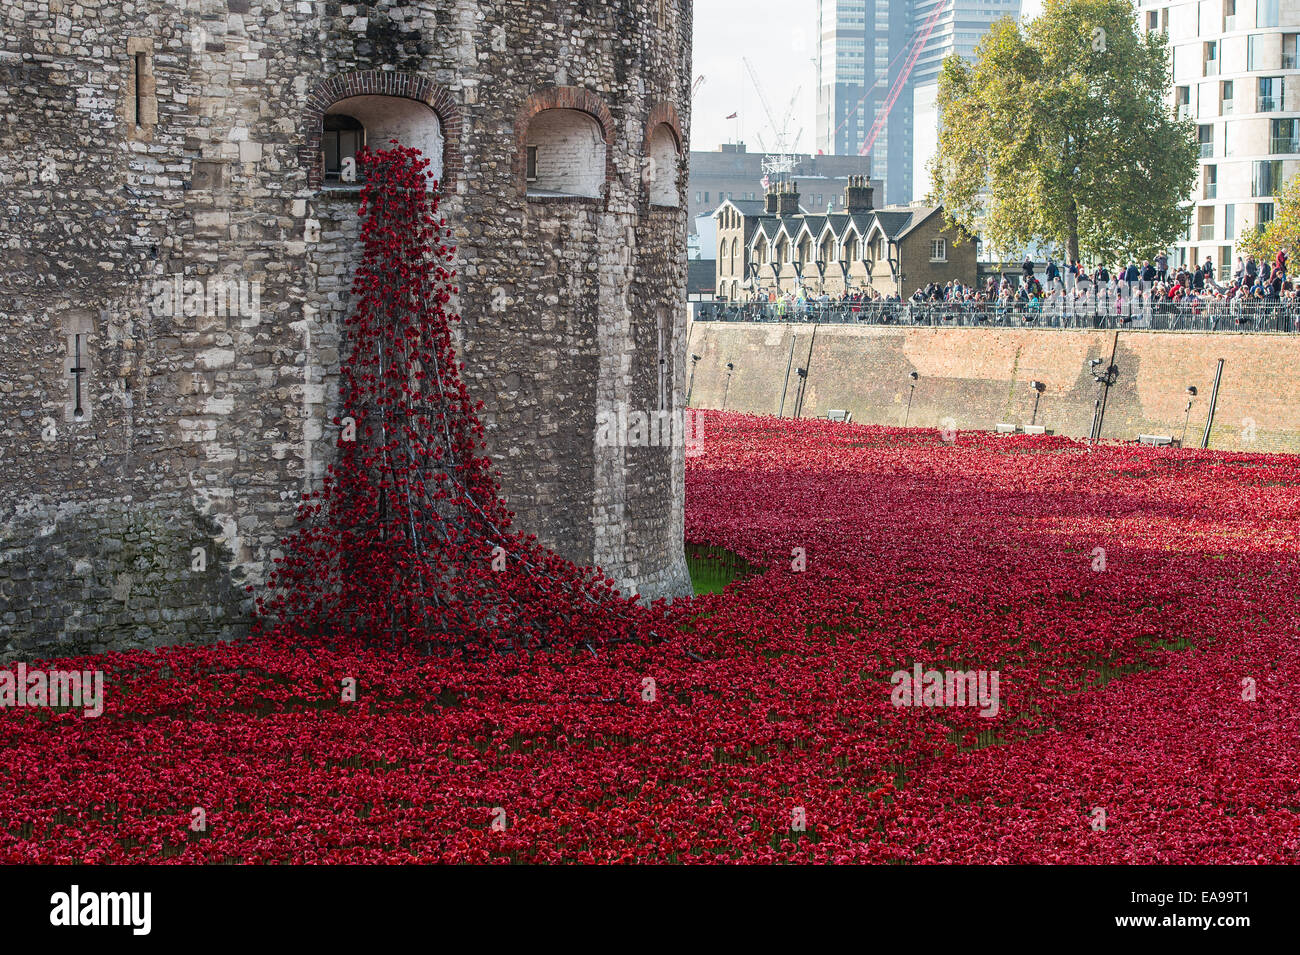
1235, 72
958, 28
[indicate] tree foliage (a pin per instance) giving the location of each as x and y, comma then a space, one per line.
1282, 233
1060, 132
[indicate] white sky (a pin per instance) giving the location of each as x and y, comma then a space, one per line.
767, 32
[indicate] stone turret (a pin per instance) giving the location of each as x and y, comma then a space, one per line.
161, 474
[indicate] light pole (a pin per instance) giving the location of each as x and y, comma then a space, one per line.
1039, 388
1104, 380
1096, 403
1187, 413
730, 368
913, 376
691, 386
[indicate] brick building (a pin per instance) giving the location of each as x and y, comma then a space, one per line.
774, 245
208, 146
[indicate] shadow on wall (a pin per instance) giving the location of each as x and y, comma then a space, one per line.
116, 576
976, 379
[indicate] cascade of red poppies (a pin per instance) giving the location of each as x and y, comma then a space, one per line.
408, 538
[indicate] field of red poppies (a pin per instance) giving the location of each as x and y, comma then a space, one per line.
1138, 607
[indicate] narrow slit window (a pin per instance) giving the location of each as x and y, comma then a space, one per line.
140, 92
140, 68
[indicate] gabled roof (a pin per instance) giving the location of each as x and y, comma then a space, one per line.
862, 222
766, 227
892, 222
813, 225
746, 207
919, 214
838, 221
790, 225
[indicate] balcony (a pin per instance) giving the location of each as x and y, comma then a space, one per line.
1211, 190
1270, 104
1288, 61
1207, 150
1211, 67
1282, 144
1229, 24
1184, 110
1226, 107
1205, 232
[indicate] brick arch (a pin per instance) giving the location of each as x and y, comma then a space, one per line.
562, 97
663, 114
381, 83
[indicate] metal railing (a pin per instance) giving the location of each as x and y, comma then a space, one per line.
1057, 311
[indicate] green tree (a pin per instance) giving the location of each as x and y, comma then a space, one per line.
1282, 233
1060, 131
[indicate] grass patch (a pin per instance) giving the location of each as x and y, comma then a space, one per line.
712, 567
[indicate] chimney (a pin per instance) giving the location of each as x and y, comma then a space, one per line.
857, 195
787, 200
769, 199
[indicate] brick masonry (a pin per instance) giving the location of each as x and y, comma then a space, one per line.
975, 378
201, 430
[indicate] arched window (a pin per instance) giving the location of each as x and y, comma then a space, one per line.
566, 154
760, 251
375, 121
664, 176
343, 137
735, 252
827, 253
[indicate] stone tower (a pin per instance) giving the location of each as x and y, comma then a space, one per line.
180, 229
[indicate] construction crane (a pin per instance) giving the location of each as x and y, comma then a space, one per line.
901, 80
699, 81
779, 161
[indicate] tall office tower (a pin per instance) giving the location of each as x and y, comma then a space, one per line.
1234, 72
957, 28
840, 72
859, 43
864, 47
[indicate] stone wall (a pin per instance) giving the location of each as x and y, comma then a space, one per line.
972, 379
154, 143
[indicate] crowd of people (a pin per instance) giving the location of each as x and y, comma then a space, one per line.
1152, 286
1152, 282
